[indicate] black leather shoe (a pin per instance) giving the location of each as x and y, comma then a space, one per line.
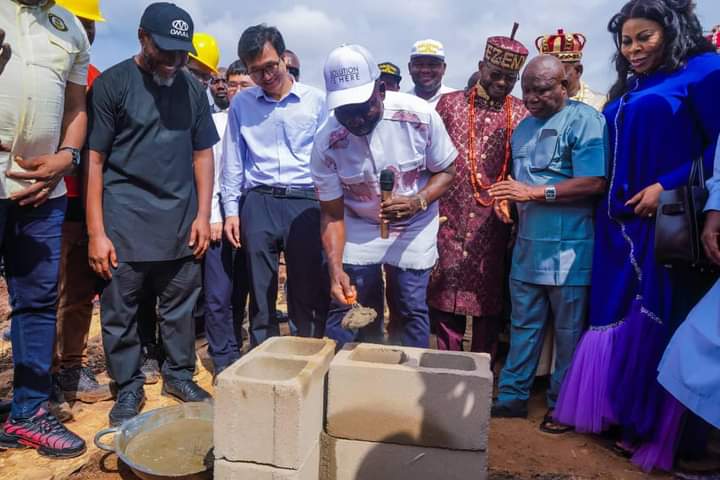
128, 405
184, 390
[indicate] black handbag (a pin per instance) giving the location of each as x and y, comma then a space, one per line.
680, 220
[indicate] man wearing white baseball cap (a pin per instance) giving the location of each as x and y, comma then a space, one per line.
373, 134
427, 69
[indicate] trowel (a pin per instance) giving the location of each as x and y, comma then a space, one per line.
358, 316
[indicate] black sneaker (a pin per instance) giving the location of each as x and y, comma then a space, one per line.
57, 403
44, 432
127, 406
151, 364
500, 410
184, 390
80, 383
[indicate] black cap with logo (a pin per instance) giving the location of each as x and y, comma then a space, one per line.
170, 27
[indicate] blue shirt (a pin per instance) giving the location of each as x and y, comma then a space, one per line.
268, 142
713, 185
555, 240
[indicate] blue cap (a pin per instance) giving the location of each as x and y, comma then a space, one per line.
170, 27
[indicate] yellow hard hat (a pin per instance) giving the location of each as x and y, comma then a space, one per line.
87, 9
208, 52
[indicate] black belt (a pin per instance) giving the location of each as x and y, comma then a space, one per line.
286, 192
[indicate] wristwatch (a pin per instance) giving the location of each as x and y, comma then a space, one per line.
75, 152
550, 193
423, 202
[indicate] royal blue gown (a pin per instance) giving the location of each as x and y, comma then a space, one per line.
657, 129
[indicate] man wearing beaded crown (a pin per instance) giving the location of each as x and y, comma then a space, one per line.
470, 275
568, 48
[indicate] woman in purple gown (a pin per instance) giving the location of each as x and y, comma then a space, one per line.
662, 115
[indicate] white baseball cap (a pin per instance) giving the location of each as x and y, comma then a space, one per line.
428, 48
350, 74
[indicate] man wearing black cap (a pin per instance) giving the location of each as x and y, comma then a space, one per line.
149, 184
390, 76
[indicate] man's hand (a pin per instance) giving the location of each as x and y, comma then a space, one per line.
216, 232
199, 237
340, 287
5, 51
232, 230
102, 256
399, 208
514, 191
646, 201
46, 171
502, 210
711, 235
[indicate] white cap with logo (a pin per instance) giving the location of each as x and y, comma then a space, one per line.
428, 48
350, 74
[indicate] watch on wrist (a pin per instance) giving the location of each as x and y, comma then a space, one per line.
550, 193
75, 152
423, 203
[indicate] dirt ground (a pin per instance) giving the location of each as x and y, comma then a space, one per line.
518, 450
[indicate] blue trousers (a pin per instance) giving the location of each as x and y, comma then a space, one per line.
272, 224
533, 308
407, 301
31, 244
226, 289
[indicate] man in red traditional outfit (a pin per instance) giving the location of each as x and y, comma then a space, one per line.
470, 275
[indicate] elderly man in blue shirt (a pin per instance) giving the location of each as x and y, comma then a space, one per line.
267, 149
559, 167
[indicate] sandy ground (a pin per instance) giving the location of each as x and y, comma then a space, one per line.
518, 450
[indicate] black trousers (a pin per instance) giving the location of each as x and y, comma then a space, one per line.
176, 284
272, 224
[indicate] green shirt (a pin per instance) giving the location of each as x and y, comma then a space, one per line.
555, 240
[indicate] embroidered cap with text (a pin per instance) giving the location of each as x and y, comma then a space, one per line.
170, 27
350, 74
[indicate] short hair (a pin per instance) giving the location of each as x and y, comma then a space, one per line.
236, 68
253, 41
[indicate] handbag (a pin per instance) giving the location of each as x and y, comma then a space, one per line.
680, 220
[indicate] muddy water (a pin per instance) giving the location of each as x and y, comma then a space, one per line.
174, 449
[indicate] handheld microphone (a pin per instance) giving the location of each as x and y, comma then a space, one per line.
387, 183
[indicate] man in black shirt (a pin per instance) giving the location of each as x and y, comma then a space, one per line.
149, 183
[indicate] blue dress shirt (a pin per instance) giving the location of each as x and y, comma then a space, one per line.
268, 142
713, 185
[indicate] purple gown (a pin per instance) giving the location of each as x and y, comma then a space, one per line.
656, 130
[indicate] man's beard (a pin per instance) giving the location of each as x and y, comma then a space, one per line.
222, 102
162, 81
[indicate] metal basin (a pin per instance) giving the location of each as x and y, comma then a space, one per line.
147, 422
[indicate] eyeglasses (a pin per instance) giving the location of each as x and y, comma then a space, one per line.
496, 76
267, 70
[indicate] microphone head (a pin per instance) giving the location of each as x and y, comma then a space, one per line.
387, 180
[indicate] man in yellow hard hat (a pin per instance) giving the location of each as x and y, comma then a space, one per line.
77, 283
205, 63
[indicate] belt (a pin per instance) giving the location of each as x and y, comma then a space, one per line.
286, 192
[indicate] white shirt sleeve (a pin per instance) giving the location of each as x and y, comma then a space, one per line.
215, 212
325, 176
233, 169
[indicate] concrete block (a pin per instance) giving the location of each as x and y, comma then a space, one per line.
410, 396
320, 350
310, 469
269, 405
356, 460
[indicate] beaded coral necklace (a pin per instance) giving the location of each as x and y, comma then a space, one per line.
477, 184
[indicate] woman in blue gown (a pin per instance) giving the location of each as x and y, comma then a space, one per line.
662, 115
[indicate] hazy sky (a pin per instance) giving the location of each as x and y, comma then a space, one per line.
388, 28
